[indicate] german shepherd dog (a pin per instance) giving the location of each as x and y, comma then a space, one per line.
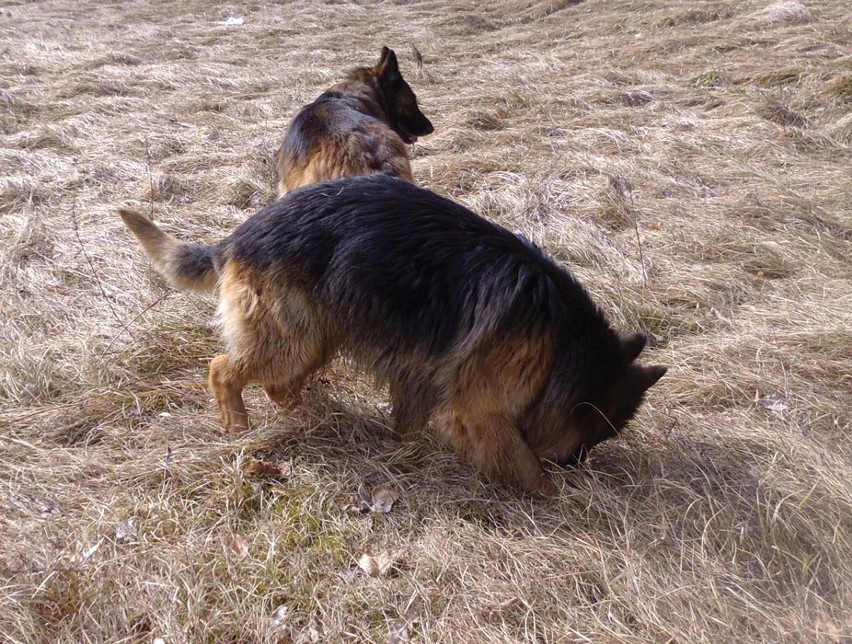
358, 126
467, 323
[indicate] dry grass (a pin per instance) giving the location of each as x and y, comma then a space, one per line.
690, 161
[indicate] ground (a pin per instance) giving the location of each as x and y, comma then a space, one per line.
690, 162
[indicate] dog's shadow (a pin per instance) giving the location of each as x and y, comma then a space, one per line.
349, 444
352, 442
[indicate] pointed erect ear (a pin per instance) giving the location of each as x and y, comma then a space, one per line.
633, 345
648, 376
388, 67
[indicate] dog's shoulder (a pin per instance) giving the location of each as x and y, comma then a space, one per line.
350, 94
332, 114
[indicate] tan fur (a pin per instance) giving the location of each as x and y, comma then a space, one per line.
339, 157
163, 250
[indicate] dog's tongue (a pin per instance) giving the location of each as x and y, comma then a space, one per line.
412, 139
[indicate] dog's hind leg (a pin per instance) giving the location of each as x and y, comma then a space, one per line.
282, 376
299, 344
274, 336
227, 380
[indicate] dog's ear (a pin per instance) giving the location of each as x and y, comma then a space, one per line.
633, 345
646, 377
388, 67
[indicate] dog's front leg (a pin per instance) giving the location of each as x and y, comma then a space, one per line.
411, 409
497, 448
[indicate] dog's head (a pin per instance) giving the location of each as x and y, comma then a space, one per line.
405, 116
569, 431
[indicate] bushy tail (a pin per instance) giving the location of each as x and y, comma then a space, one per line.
187, 266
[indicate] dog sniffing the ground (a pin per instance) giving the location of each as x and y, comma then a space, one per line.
358, 126
469, 324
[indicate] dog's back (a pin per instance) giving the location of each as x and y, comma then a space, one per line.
428, 278
359, 126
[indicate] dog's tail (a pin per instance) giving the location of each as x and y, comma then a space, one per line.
187, 266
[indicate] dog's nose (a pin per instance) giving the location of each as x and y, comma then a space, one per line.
576, 458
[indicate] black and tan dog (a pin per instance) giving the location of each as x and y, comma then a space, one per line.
358, 126
468, 323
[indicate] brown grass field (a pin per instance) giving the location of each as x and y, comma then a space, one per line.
691, 162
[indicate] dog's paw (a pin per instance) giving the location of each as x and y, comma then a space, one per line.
547, 489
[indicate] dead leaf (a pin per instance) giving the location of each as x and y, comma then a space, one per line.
126, 531
267, 469
279, 617
240, 546
313, 634
233, 21
383, 499
48, 510
773, 403
377, 565
91, 550
399, 630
